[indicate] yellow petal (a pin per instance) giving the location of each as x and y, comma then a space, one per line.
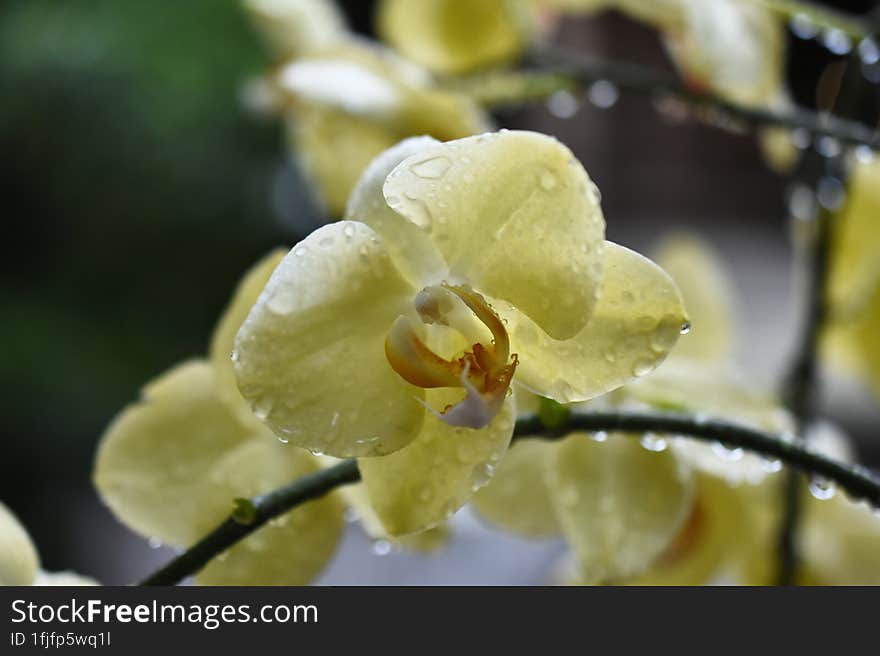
410, 247
855, 272
705, 287
357, 498
334, 148
451, 36
19, 562
517, 498
734, 49
310, 357
291, 549
66, 579
710, 545
619, 505
155, 462
515, 215
222, 341
853, 345
839, 541
293, 28
421, 485
636, 323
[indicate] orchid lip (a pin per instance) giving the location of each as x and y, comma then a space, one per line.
484, 372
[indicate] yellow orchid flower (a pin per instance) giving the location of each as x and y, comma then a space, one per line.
346, 105
732, 48
293, 28
456, 36
704, 496
19, 562
462, 265
170, 466
346, 99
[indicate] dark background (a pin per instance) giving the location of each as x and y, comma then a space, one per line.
136, 191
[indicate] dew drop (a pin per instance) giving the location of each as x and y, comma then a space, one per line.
563, 104
828, 147
726, 452
771, 465
837, 41
864, 154
348, 231
603, 94
155, 543
869, 51
381, 547
802, 203
642, 367
821, 488
548, 181
326, 242
653, 442
283, 440
433, 168
831, 193
803, 27
685, 328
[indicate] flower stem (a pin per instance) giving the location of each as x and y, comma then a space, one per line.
858, 482
821, 16
264, 508
552, 69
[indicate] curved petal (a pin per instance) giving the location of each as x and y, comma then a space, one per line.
442, 114
358, 500
706, 290
855, 272
635, 325
515, 215
155, 462
735, 49
517, 498
334, 148
840, 540
619, 505
310, 357
289, 550
223, 339
448, 36
710, 545
292, 28
410, 248
19, 563
426, 482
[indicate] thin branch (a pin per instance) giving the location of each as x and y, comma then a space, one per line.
858, 482
550, 69
264, 508
855, 27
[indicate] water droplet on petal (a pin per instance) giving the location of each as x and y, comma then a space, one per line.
642, 367
155, 543
821, 488
653, 442
685, 328
381, 547
433, 168
726, 452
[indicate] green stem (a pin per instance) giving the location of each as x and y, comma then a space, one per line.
552, 69
858, 482
823, 17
